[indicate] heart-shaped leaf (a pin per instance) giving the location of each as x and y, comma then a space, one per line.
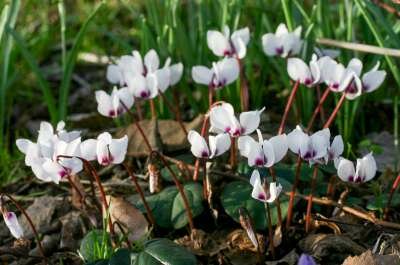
165, 252
168, 208
238, 194
122, 257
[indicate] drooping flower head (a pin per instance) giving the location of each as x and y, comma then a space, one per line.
115, 104
11, 220
310, 148
217, 145
105, 149
283, 43
263, 192
264, 153
365, 169
225, 44
221, 74
222, 119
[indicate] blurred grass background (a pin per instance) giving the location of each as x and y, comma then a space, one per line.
40, 43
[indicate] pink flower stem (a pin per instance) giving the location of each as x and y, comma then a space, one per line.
141, 194
335, 111
289, 103
318, 109
310, 196
33, 228
75, 187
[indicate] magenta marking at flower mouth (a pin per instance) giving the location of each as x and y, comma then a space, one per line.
145, 94
9, 215
227, 129
261, 197
351, 89
309, 155
335, 86
111, 113
204, 154
259, 161
308, 81
351, 178
279, 50
236, 132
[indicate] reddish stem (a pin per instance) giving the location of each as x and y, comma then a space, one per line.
310, 196
73, 185
318, 108
288, 106
35, 233
203, 134
211, 93
174, 110
335, 111
392, 190
153, 109
293, 192
179, 186
141, 194
138, 111
244, 89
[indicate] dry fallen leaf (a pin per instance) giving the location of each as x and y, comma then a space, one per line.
131, 219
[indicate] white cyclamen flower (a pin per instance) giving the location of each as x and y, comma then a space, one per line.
105, 149
365, 169
282, 43
335, 150
115, 104
260, 193
335, 75
224, 44
175, 71
264, 153
222, 119
310, 76
222, 73
13, 225
310, 148
218, 144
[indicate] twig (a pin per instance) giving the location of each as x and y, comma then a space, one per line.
360, 47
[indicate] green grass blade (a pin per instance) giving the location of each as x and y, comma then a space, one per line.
3, 19
71, 60
61, 12
43, 84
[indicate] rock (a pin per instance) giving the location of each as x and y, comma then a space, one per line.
385, 159
71, 231
321, 246
367, 258
130, 218
289, 259
166, 135
41, 212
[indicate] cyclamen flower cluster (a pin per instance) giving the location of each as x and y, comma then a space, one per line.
57, 154
337, 77
283, 43
365, 169
138, 78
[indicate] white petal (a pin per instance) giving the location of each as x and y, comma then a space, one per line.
202, 75
255, 176
176, 73
271, 45
274, 191
55, 171
367, 170
228, 70
151, 61
315, 71
118, 149
219, 144
297, 31
73, 148
356, 65
244, 145
138, 86
88, 149
280, 147
23, 145
222, 119
46, 132
250, 120
299, 71
372, 80
337, 147
114, 74
345, 170
281, 30
126, 97
297, 140
198, 144
74, 165
258, 192
268, 153
354, 90
256, 155
60, 126
320, 142
13, 225
104, 104
243, 34
218, 43
163, 78
130, 65
240, 47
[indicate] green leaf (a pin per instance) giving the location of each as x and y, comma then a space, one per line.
238, 194
378, 202
166, 175
168, 208
95, 245
165, 252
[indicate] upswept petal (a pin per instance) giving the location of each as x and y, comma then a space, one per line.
271, 45
367, 169
372, 80
202, 75
176, 71
118, 149
13, 225
243, 34
218, 43
114, 74
255, 176
274, 191
219, 144
198, 144
345, 170
280, 146
268, 154
250, 120
245, 144
151, 61
356, 65
299, 71
297, 140
88, 149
